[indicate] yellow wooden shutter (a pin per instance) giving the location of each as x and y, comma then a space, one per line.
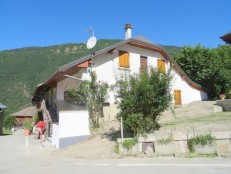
121, 60
161, 65
124, 59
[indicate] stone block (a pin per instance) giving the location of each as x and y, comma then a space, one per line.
221, 146
221, 135
217, 108
181, 147
228, 142
177, 136
148, 147
177, 147
207, 149
149, 138
164, 149
134, 149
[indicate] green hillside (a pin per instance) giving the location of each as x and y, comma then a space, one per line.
22, 69
171, 49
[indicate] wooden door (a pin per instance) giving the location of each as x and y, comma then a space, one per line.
177, 97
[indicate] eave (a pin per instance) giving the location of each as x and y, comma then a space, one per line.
226, 38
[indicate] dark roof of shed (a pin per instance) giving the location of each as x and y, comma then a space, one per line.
27, 112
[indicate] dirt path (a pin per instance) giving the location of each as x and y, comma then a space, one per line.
99, 146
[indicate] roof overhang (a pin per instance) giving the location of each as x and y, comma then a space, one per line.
226, 38
58, 76
27, 112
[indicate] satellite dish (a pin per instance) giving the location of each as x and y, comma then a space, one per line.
91, 42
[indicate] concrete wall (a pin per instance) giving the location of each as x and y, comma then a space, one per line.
73, 127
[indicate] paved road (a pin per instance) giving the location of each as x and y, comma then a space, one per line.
17, 157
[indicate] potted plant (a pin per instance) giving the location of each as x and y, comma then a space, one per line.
222, 96
27, 127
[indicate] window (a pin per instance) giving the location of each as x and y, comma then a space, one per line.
161, 65
124, 59
143, 63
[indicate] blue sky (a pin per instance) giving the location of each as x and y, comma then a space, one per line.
27, 23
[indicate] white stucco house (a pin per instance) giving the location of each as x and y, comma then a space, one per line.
130, 55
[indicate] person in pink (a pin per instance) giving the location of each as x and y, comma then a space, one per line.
40, 126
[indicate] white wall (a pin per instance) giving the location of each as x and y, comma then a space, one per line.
71, 83
188, 93
73, 123
55, 135
107, 68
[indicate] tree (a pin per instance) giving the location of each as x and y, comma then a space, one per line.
143, 97
224, 54
91, 94
9, 121
204, 66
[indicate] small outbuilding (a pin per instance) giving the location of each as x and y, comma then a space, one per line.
2, 107
25, 114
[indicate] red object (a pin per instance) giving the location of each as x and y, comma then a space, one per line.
27, 132
41, 124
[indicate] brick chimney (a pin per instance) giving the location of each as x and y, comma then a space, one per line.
128, 31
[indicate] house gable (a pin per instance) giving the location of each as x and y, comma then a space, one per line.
136, 42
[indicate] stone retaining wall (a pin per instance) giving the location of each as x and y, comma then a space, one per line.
178, 146
225, 104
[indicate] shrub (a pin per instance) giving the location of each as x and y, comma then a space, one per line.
143, 97
91, 94
9, 121
200, 139
129, 143
117, 147
27, 124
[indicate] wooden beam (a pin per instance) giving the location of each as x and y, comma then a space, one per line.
83, 65
112, 51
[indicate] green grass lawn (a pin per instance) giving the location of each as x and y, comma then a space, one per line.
220, 117
6, 132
